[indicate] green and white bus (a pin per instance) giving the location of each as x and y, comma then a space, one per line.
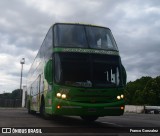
77, 72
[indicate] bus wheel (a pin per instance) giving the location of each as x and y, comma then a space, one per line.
42, 110
89, 118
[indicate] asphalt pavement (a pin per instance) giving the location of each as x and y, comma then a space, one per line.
19, 122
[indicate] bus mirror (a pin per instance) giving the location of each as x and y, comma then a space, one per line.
48, 72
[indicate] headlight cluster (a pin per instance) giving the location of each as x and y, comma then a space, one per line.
59, 95
120, 96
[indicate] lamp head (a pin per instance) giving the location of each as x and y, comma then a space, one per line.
22, 61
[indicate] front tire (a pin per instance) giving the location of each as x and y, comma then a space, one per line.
89, 118
42, 111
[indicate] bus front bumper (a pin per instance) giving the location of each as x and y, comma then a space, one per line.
63, 107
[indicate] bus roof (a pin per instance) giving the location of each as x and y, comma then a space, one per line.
84, 24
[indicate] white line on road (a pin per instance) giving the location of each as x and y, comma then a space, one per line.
112, 124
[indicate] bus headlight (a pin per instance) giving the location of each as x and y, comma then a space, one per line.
63, 96
58, 95
118, 97
122, 96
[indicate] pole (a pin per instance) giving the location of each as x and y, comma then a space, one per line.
21, 90
21, 93
21, 77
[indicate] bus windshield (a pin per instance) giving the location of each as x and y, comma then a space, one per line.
81, 70
83, 36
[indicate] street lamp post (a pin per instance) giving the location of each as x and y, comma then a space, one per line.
21, 62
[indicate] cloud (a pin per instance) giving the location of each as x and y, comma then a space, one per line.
24, 24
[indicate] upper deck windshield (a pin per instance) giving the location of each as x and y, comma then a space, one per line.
83, 36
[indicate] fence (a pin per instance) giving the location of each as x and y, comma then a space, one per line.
10, 102
142, 109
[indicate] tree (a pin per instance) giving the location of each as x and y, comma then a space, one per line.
6, 95
138, 97
152, 92
134, 90
16, 94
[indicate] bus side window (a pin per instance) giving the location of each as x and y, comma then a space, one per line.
58, 69
41, 83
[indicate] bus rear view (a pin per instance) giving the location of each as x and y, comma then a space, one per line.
88, 77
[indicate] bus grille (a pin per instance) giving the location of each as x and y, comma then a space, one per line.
92, 99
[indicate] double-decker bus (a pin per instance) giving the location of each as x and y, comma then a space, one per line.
77, 71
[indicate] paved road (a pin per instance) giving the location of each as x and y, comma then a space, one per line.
75, 126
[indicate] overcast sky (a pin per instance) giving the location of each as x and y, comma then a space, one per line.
135, 25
